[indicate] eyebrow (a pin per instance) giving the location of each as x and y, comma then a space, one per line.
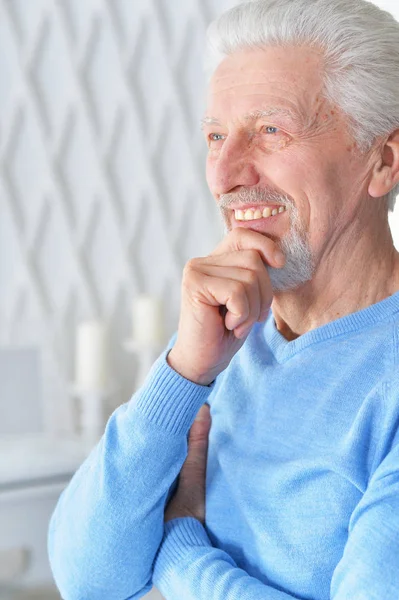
257, 115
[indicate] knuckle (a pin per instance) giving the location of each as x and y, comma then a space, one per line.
190, 265
237, 232
253, 257
190, 272
236, 237
237, 290
252, 278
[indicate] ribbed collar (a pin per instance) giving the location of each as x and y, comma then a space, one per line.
284, 350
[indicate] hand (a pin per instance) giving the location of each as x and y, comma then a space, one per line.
222, 296
189, 497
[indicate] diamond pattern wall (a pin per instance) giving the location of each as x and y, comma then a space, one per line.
102, 189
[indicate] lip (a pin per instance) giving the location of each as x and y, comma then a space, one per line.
254, 207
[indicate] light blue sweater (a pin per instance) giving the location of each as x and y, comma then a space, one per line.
302, 491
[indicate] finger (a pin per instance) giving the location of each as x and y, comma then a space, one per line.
247, 259
194, 468
247, 239
200, 428
216, 291
253, 289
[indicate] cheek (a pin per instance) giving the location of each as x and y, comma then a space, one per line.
290, 171
313, 185
343, 185
308, 173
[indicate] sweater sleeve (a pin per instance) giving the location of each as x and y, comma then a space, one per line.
187, 566
108, 522
369, 567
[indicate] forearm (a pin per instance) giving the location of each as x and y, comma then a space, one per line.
187, 566
108, 523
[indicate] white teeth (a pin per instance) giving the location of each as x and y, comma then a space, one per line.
267, 213
254, 215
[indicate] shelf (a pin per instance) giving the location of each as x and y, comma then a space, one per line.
27, 459
47, 593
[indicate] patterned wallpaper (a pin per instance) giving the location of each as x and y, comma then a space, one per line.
102, 187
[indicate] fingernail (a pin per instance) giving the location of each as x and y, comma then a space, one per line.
279, 257
264, 315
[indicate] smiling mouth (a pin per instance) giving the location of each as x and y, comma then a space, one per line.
256, 214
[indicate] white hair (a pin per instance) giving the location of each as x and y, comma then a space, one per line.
360, 43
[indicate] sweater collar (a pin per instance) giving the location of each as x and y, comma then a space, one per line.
367, 317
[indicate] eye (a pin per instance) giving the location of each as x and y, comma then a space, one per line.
215, 137
270, 129
215, 141
272, 137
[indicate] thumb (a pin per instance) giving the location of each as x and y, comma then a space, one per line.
194, 468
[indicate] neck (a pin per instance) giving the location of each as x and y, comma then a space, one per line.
347, 279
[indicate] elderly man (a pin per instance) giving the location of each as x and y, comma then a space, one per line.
289, 332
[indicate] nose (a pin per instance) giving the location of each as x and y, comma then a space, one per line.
232, 167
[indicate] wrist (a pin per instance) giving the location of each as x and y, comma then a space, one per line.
177, 363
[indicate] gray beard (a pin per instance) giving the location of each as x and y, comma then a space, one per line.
299, 262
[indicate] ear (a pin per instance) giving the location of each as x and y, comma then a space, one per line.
386, 170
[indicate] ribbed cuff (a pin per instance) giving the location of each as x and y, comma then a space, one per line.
169, 399
180, 535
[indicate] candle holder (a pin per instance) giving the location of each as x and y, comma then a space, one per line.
146, 354
89, 415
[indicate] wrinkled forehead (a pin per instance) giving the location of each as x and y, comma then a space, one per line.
290, 78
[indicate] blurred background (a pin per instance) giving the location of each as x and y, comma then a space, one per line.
102, 201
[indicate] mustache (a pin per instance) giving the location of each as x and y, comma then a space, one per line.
255, 196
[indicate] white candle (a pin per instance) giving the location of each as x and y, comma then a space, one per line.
147, 317
91, 356
92, 419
